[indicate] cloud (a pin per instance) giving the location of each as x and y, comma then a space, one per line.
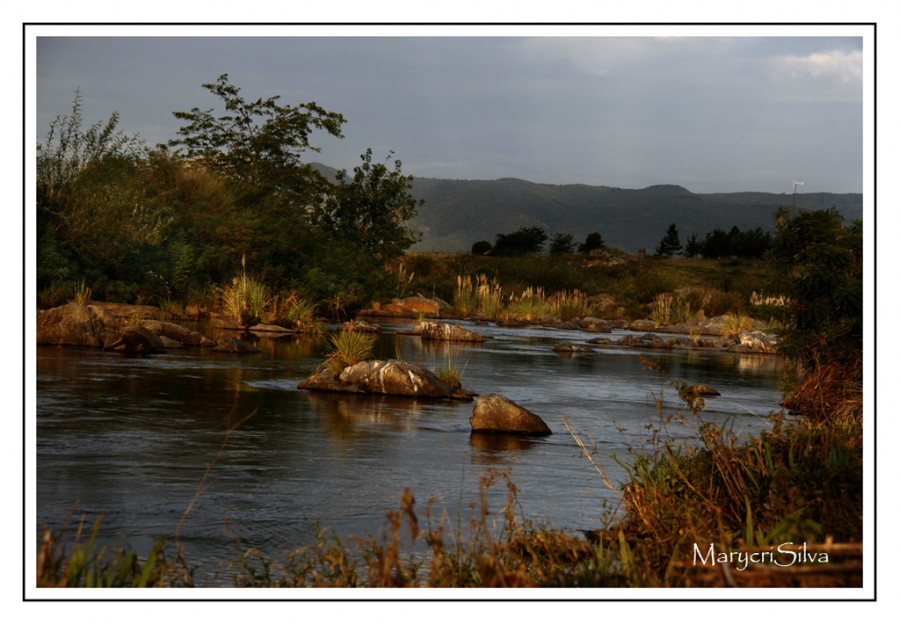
830, 75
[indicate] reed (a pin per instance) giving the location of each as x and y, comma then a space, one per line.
348, 348
245, 300
568, 305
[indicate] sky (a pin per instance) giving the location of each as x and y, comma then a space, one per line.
710, 113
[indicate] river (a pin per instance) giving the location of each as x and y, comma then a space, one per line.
134, 438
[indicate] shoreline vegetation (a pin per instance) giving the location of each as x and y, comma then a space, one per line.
227, 224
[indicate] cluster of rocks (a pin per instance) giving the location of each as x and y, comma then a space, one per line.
491, 413
117, 327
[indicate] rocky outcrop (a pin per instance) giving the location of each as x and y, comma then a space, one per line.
137, 340
78, 324
432, 331
384, 377
102, 324
496, 413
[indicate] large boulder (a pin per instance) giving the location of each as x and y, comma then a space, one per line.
77, 324
137, 340
384, 377
496, 413
432, 331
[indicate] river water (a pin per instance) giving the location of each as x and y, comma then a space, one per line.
134, 438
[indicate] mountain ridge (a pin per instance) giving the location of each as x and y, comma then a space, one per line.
457, 213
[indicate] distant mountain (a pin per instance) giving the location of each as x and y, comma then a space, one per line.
457, 213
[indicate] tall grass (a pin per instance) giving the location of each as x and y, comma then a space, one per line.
348, 348
245, 300
568, 305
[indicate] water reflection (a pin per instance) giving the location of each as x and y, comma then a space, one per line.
490, 448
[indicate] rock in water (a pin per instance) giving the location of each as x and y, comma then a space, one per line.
384, 377
702, 390
137, 340
496, 413
431, 331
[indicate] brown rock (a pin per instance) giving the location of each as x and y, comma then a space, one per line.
177, 333
412, 306
702, 390
380, 377
137, 340
432, 331
496, 413
77, 324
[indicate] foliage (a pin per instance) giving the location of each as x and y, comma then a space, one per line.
370, 212
669, 245
92, 214
562, 243
257, 142
593, 241
245, 300
525, 240
90, 565
720, 244
480, 248
348, 348
817, 264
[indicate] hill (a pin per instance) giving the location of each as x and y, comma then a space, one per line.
457, 213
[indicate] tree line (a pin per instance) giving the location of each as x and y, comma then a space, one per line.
716, 244
232, 190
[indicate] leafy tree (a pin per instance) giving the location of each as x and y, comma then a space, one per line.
562, 243
669, 245
480, 248
593, 241
371, 211
259, 143
526, 240
92, 212
818, 265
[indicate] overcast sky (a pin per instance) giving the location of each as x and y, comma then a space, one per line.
711, 113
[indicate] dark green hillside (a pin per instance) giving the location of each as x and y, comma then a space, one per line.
457, 213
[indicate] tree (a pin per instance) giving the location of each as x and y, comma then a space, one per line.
93, 214
669, 245
818, 265
562, 243
526, 240
480, 248
259, 143
693, 247
371, 211
593, 241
